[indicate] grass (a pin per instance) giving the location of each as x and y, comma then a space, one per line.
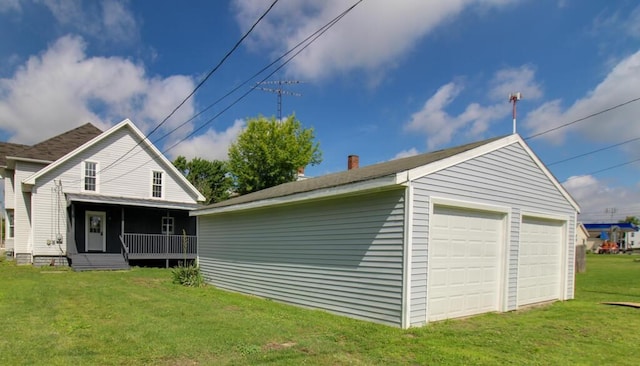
59, 317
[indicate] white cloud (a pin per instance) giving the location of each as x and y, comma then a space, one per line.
632, 25
9, 5
620, 85
211, 145
517, 79
63, 88
440, 126
406, 153
107, 20
373, 36
595, 196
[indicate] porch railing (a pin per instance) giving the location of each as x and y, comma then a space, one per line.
141, 246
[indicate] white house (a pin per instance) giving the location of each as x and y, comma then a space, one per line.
483, 227
632, 240
95, 199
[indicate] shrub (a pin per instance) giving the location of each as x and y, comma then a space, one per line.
187, 275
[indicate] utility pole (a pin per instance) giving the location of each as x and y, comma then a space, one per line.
279, 91
514, 98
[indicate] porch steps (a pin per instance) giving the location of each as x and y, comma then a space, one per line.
98, 262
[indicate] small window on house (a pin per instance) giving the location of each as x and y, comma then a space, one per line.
633, 235
10, 219
156, 185
167, 225
90, 172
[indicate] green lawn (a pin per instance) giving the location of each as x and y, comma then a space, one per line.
54, 317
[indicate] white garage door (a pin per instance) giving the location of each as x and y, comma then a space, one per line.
465, 262
539, 264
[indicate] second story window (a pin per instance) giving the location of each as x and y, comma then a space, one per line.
90, 176
156, 185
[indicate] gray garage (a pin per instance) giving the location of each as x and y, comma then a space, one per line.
483, 227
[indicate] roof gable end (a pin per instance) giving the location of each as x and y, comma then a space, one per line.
125, 124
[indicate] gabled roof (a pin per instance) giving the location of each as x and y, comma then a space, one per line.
58, 146
390, 173
9, 149
124, 124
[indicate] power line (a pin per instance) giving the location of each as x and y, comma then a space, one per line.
315, 34
594, 151
311, 39
583, 118
214, 69
605, 169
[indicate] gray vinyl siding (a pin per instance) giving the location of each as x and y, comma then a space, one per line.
420, 232
343, 255
506, 177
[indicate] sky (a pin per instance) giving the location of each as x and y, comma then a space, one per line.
387, 80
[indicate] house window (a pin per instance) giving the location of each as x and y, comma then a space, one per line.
90, 176
156, 185
10, 219
167, 225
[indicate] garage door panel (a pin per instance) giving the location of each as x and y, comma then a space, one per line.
464, 264
539, 268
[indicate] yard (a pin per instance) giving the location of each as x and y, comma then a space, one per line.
58, 317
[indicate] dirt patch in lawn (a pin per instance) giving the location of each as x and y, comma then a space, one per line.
275, 346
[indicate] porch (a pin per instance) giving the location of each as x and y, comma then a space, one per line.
143, 231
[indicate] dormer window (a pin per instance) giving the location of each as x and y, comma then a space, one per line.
90, 176
156, 184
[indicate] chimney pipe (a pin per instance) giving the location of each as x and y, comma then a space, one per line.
353, 162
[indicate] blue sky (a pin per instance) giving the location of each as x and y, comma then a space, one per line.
390, 79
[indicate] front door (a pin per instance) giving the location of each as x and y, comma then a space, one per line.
95, 233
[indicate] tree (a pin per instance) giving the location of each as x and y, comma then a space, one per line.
632, 219
270, 152
210, 177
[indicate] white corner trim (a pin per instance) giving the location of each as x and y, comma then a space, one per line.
408, 249
359, 187
544, 216
439, 201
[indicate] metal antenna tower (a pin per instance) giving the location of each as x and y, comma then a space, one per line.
279, 91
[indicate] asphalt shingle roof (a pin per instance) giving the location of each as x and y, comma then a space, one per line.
9, 149
350, 176
58, 146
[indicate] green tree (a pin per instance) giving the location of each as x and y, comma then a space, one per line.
269, 152
210, 177
632, 219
